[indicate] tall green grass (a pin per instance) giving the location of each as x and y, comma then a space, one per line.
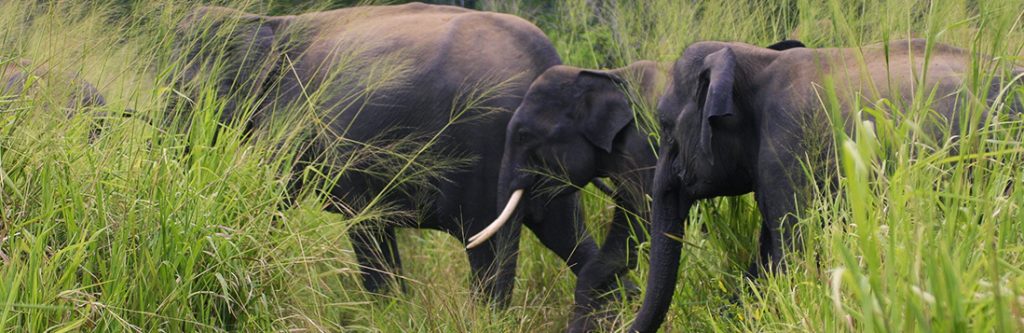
125, 234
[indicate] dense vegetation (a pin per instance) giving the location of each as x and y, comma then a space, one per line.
124, 234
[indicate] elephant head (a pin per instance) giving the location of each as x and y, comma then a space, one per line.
22, 76
230, 53
16, 76
573, 125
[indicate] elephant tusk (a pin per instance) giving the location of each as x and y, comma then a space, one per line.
491, 229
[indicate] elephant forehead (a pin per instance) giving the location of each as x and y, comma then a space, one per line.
541, 120
547, 97
552, 84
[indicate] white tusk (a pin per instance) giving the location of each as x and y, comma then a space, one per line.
485, 234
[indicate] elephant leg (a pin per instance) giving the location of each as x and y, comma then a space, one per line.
627, 232
600, 277
784, 239
778, 206
297, 182
494, 266
764, 248
376, 250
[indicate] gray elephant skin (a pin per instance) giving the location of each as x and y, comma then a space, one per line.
445, 49
575, 125
738, 118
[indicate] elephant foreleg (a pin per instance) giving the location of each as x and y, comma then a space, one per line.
764, 247
618, 253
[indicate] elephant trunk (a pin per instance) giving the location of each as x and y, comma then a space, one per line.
665, 249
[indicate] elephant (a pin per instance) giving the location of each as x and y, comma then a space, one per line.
21, 76
273, 61
737, 118
575, 125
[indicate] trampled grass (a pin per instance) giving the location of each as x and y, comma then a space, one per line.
126, 234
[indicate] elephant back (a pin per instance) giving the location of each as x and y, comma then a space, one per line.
437, 60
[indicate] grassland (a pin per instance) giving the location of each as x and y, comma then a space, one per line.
124, 234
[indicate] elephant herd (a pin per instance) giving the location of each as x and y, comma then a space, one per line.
733, 119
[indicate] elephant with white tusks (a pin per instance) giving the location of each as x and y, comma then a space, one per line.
573, 126
442, 54
737, 118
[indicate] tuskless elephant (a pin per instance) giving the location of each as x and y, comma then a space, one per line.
64, 91
440, 53
22, 77
737, 118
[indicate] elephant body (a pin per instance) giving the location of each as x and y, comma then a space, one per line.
440, 55
738, 118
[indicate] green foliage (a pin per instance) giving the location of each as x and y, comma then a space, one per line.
125, 234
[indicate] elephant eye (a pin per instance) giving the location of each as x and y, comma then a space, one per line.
666, 127
522, 136
666, 139
664, 122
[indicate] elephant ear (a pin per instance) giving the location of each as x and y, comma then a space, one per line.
250, 53
242, 43
604, 109
715, 96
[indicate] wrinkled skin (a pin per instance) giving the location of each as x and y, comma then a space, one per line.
443, 50
575, 125
738, 118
